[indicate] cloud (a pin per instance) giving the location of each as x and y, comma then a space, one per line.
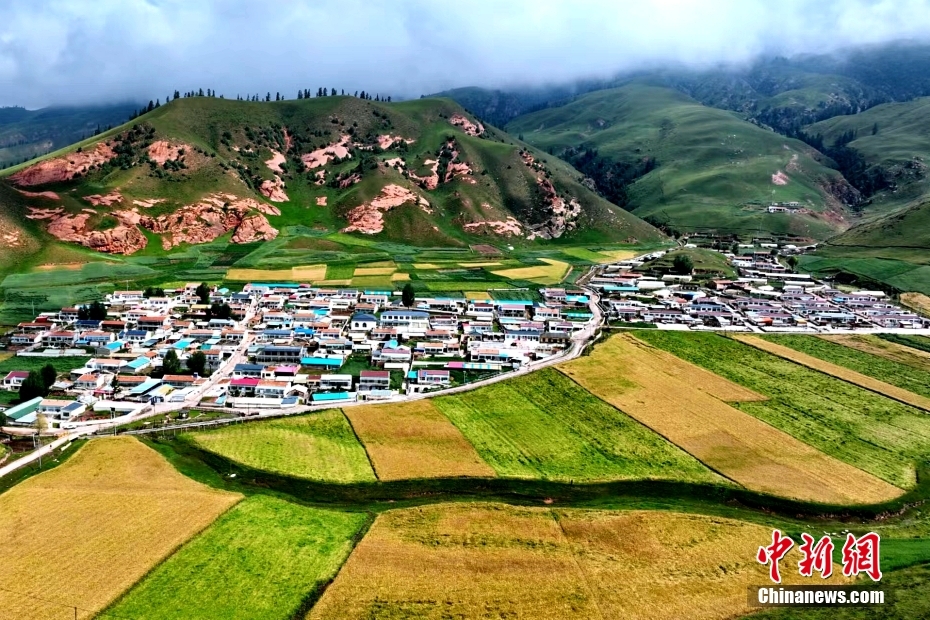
74, 51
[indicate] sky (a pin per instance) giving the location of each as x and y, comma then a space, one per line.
68, 52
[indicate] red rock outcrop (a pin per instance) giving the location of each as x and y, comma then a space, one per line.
321, 157
161, 151
109, 200
274, 164
274, 190
148, 204
506, 228
205, 221
119, 240
63, 168
46, 195
321, 201
368, 218
470, 128
254, 228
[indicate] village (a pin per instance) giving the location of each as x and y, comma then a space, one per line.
287, 347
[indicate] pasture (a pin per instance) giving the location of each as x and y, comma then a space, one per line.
859, 427
492, 560
259, 560
316, 446
96, 525
414, 440
919, 343
677, 401
917, 301
543, 425
847, 365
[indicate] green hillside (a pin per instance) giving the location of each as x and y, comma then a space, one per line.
462, 185
713, 171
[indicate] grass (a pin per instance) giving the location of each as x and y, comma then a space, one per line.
21, 362
902, 375
688, 406
545, 426
706, 262
713, 170
490, 560
888, 349
852, 358
260, 560
552, 273
917, 301
920, 343
864, 429
116, 508
414, 440
318, 446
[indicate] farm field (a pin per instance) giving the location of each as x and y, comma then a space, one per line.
845, 365
676, 401
302, 273
890, 350
920, 343
116, 509
869, 431
552, 273
414, 440
259, 560
543, 425
316, 446
917, 301
61, 364
491, 560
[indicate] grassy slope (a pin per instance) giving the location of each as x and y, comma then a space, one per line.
711, 164
546, 426
319, 446
260, 560
868, 431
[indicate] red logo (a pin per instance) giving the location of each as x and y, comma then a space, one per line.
860, 555
774, 553
817, 557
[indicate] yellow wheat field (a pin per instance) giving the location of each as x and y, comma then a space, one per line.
426, 266
400, 276
549, 274
856, 378
491, 560
467, 265
883, 348
685, 404
304, 273
917, 301
414, 440
477, 295
83, 533
374, 271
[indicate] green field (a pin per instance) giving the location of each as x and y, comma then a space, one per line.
902, 375
713, 170
61, 364
317, 446
262, 559
902, 270
545, 426
705, 262
868, 431
921, 343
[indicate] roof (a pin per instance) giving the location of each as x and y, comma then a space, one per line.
17, 374
320, 361
245, 382
375, 374
333, 396
363, 317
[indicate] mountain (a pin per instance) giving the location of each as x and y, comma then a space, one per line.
197, 169
25, 134
690, 166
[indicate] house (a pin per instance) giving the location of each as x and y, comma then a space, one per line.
214, 358
26, 339
374, 380
247, 370
405, 321
243, 386
336, 382
153, 322
280, 355
272, 389
362, 323
59, 339
90, 381
14, 379
179, 381
61, 408
24, 414
322, 362
433, 377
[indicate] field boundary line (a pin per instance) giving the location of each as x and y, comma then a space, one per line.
595, 599
917, 401
112, 604
361, 443
694, 456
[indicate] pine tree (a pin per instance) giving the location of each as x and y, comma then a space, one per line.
157, 103
319, 92
332, 92
300, 94
277, 96
200, 93
151, 106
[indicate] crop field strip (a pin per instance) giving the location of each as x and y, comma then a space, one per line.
920, 343
889, 350
551, 273
840, 372
684, 404
543, 425
862, 428
318, 446
492, 560
96, 525
259, 560
300, 273
414, 440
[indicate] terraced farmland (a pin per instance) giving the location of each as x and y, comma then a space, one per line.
543, 425
259, 560
676, 401
96, 525
841, 370
414, 440
491, 560
859, 427
317, 446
